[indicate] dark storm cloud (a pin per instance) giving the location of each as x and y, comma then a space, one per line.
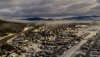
98, 1
48, 8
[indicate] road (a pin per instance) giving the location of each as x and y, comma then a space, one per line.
4, 39
72, 50
8, 37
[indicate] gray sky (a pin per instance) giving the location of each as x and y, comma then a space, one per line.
49, 8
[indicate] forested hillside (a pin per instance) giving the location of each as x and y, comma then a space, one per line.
10, 27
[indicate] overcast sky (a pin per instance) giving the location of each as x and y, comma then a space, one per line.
49, 8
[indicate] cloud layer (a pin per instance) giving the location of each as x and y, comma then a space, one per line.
49, 8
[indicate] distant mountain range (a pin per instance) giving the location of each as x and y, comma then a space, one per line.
33, 18
37, 19
92, 17
83, 18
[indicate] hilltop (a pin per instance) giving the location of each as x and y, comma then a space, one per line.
10, 27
